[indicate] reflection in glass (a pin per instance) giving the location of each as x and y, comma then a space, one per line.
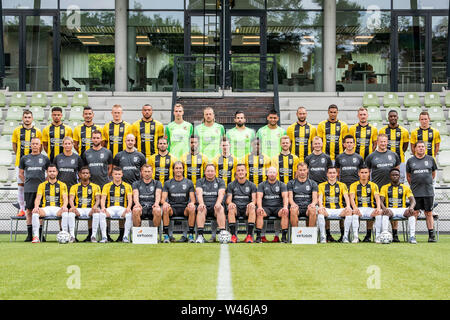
154, 38
39, 61
411, 53
87, 51
30, 4
295, 4
363, 4
421, 4
11, 49
439, 32
202, 4
166, 4
295, 38
88, 4
363, 51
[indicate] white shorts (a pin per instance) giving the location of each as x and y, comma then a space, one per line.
334, 213
398, 212
115, 211
17, 175
366, 212
51, 211
84, 212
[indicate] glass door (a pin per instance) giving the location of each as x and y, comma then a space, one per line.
31, 51
420, 43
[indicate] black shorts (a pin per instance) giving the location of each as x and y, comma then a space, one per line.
272, 211
147, 212
241, 211
302, 212
29, 200
178, 211
424, 203
210, 212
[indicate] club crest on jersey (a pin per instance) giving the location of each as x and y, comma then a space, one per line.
167, 161
122, 191
426, 162
72, 161
89, 191
183, 186
135, 159
121, 129
152, 188
308, 188
307, 131
322, 160
215, 185
152, 127
290, 161
102, 155
56, 190
261, 161
336, 189
368, 190
277, 189
400, 191
389, 157
355, 160
247, 189
398, 134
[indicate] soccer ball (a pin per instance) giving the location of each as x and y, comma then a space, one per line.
63, 237
385, 237
224, 236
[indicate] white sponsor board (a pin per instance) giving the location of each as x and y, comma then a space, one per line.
302, 235
145, 235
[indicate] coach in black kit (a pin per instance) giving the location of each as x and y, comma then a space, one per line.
420, 172
130, 160
318, 162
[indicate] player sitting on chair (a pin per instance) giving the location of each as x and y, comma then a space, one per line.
332, 194
84, 198
53, 194
116, 201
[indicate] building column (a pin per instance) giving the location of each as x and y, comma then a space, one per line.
120, 46
329, 46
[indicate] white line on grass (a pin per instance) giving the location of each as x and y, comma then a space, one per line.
224, 284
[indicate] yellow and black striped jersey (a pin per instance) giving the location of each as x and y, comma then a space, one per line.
114, 135
365, 137
301, 139
83, 135
395, 196
53, 136
116, 195
332, 134
256, 167
286, 166
225, 168
364, 194
22, 138
52, 193
84, 196
194, 166
162, 167
430, 136
396, 138
333, 194
147, 134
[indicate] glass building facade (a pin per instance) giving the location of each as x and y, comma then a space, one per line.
381, 45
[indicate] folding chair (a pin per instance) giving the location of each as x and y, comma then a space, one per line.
77, 220
16, 219
405, 229
45, 221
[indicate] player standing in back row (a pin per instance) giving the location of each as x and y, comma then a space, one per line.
240, 136
82, 134
270, 135
332, 132
178, 133
54, 133
210, 134
114, 131
364, 133
301, 134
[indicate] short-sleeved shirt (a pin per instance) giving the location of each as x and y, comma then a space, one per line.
348, 167
301, 139
395, 196
178, 137
332, 134
364, 194
256, 167
302, 191
365, 137
396, 138
225, 167
98, 161
272, 193
131, 163
83, 135
116, 195
22, 138
178, 192
270, 140
147, 191
209, 139
421, 175
210, 190
240, 141
162, 166
241, 193
34, 167
84, 196
194, 166
317, 166
147, 134
333, 194
68, 167
380, 163
52, 193
114, 135
53, 136
286, 166
430, 136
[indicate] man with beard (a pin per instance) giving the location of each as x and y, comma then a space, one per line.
301, 134
240, 136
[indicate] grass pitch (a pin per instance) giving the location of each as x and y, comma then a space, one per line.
259, 271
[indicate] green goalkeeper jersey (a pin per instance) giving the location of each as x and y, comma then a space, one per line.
178, 138
209, 139
270, 140
240, 141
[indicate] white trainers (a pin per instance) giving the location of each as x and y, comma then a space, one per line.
345, 240
412, 240
93, 239
104, 240
323, 240
72, 239
377, 239
200, 239
355, 240
125, 240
